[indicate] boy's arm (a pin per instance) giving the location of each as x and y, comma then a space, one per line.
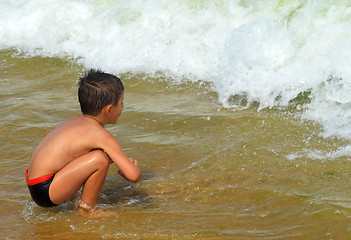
128, 167
135, 162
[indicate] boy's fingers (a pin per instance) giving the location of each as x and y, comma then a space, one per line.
135, 162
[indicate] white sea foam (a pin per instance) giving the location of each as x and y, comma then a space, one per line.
262, 52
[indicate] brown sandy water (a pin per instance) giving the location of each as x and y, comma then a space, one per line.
209, 172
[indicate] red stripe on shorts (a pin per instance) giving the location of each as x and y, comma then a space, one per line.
37, 180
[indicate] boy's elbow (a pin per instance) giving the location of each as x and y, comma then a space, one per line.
136, 178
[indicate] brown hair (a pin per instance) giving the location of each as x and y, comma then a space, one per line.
97, 90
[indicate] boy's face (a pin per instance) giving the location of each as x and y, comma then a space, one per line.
116, 110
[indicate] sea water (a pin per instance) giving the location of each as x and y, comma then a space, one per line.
238, 112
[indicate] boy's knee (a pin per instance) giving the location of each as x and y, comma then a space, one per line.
101, 158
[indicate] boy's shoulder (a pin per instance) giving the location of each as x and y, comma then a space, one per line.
83, 129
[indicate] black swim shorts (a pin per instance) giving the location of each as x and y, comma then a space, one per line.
39, 190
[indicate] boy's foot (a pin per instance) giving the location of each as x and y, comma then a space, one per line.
86, 210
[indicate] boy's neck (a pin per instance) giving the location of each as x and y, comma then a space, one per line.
96, 118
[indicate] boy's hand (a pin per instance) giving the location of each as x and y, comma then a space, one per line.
135, 162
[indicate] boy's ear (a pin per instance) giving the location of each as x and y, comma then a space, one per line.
107, 108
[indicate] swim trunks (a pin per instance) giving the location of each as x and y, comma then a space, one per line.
39, 189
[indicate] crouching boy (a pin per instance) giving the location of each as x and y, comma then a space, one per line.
78, 152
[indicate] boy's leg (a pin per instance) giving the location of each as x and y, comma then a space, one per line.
89, 169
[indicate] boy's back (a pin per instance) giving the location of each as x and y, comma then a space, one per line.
70, 140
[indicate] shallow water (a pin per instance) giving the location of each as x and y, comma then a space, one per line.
237, 111
208, 172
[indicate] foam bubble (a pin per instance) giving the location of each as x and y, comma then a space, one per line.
255, 53
253, 63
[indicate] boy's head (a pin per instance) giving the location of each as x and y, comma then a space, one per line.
97, 90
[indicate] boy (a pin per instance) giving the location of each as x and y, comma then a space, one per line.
79, 151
